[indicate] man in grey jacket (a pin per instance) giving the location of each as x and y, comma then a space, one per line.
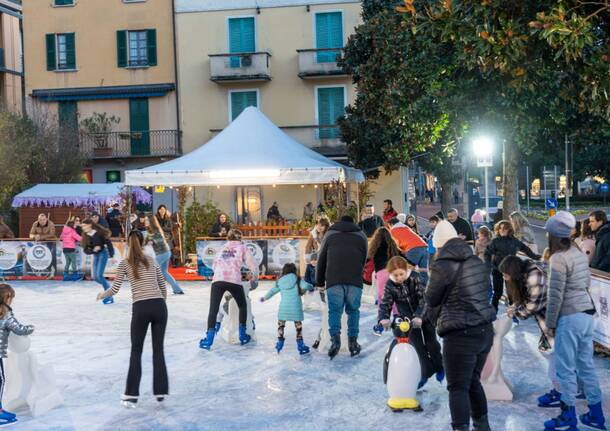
341, 260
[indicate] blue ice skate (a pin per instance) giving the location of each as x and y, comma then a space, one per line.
7, 418
566, 421
594, 418
207, 342
378, 330
109, 300
217, 327
551, 399
440, 376
244, 338
301, 347
279, 345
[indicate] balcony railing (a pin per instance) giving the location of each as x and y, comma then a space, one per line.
150, 143
319, 63
325, 139
249, 66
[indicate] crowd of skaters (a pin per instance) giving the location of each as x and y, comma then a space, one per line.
437, 281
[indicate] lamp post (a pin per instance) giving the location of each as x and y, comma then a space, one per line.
482, 148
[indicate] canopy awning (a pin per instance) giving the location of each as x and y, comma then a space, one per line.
77, 195
250, 151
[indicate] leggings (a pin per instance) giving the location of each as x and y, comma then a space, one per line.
498, 284
237, 292
151, 312
281, 324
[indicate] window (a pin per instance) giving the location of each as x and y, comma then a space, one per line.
329, 34
330, 106
240, 100
241, 38
61, 51
63, 3
137, 48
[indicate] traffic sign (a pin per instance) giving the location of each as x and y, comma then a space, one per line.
551, 204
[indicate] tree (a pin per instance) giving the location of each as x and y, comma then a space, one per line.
34, 150
436, 73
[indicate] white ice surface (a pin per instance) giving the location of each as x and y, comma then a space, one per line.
241, 388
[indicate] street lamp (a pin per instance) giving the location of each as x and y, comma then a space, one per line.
482, 147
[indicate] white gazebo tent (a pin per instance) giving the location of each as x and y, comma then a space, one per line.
251, 151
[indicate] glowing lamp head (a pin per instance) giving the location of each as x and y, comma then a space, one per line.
482, 146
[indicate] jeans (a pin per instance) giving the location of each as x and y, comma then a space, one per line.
70, 261
151, 312
344, 297
163, 261
464, 355
574, 358
419, 256
99, 266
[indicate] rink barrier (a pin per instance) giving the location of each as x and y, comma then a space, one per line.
600, 292
271, 253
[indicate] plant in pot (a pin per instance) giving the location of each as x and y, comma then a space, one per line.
98, 128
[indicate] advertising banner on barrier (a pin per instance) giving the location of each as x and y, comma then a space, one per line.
271, 254
28, 258
600, 292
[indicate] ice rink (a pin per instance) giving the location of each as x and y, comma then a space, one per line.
242, 388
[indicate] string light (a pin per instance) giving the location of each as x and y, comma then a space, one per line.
302, 186
315, 187
218, 187
273, 186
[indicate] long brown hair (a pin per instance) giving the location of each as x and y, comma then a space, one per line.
557, 245
136, 256
514, 267
6, 293
154, 226
383, 234
98, 228
508, 225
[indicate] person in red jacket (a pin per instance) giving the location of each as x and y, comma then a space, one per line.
412, 246
388, 211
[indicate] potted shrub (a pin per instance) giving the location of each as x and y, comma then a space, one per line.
98, 128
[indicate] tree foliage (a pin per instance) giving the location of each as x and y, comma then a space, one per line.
34, 150
435, 73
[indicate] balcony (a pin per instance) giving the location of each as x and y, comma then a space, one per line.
118, 145
250, 66
319, 63
324, 139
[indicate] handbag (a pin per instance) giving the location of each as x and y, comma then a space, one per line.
367, 272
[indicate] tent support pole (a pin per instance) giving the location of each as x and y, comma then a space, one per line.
127, 222
358, 201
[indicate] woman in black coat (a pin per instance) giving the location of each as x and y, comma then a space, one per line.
503, 245
458, 286
222, 226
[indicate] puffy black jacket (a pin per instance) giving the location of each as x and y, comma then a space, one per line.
467, 303
601, 260
407, 296
342, 256
503, 246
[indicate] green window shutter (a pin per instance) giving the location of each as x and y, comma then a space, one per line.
329, 34
331, 105
121, 48
240, 100
51, 56
70, 51
68, 116
242, 37
151, 42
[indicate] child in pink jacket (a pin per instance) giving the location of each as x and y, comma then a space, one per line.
231, 258
69, 238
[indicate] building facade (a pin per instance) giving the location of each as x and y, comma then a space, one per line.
277, 55
11, 52
106, 69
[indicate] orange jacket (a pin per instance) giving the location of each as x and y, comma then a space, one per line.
406, 238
